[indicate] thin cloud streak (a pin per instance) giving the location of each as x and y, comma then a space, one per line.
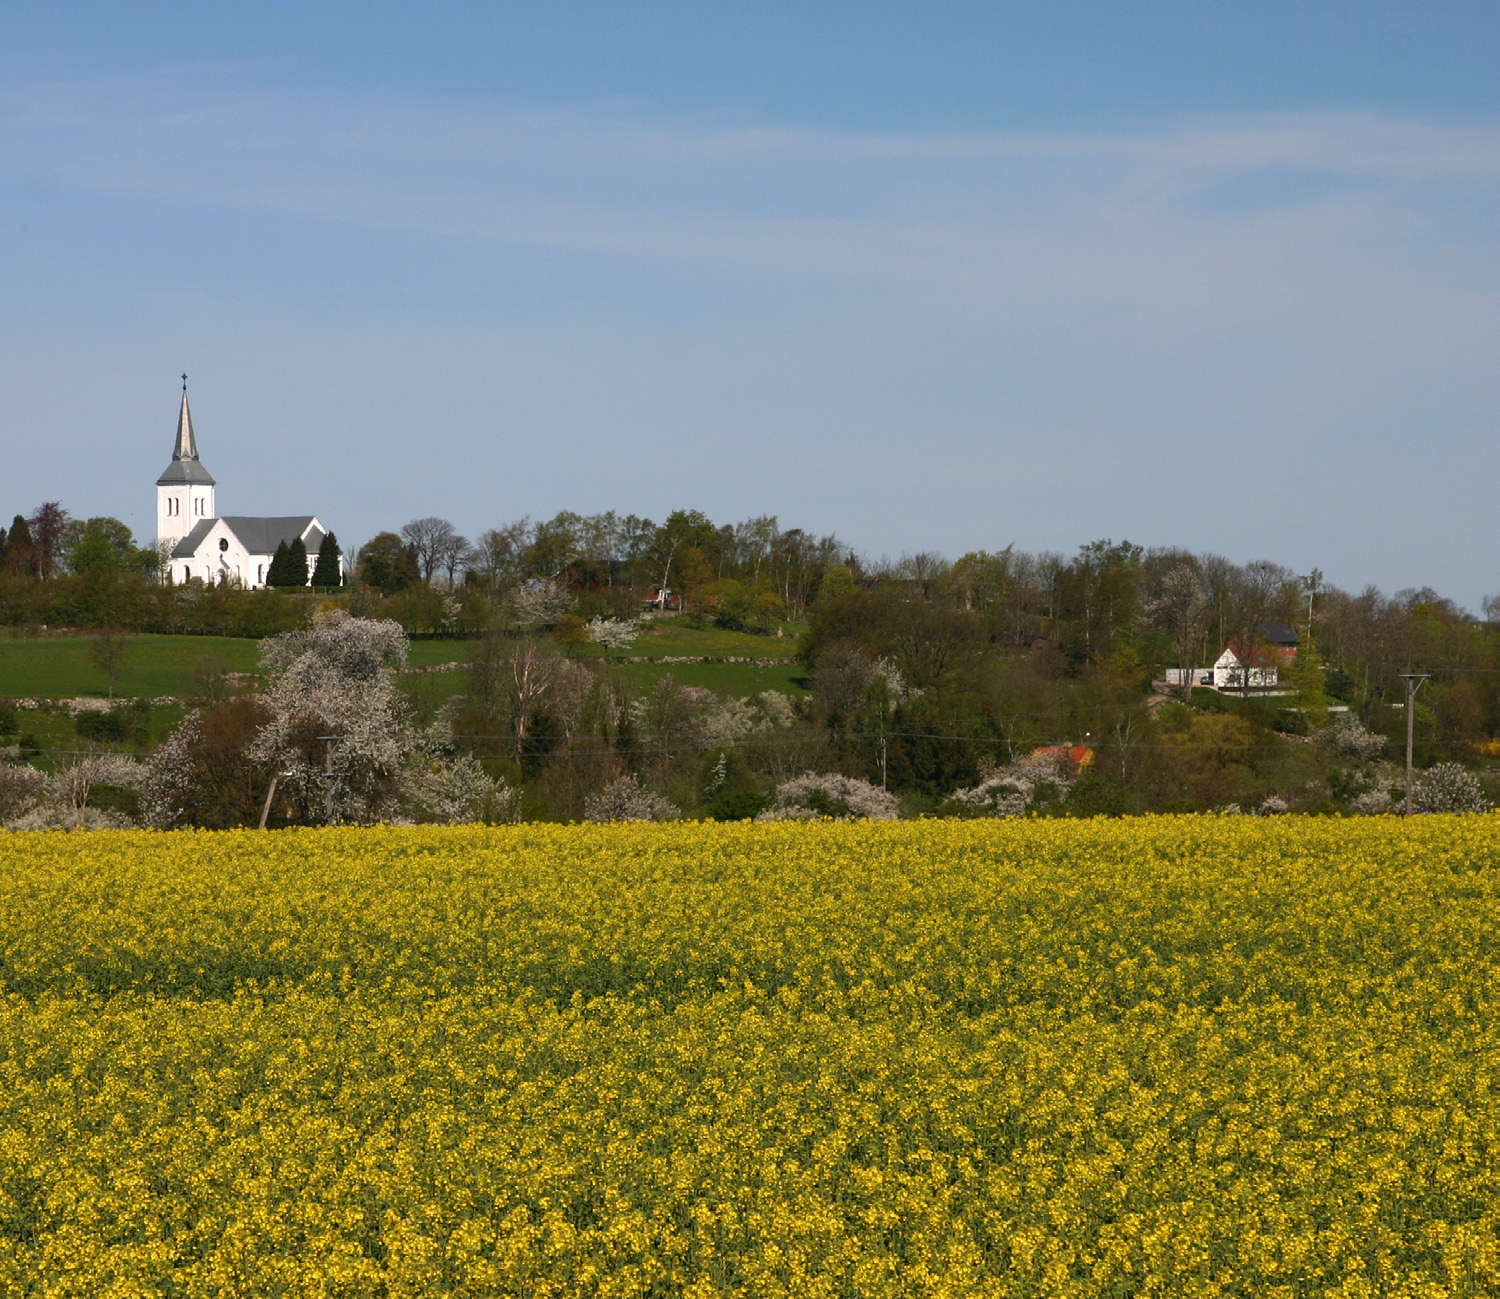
1093, 324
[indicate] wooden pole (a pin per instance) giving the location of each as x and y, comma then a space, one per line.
270, 794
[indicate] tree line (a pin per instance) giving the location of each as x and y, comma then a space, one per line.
923, 673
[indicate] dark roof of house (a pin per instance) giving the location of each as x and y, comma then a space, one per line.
258, 536
1276, 633
185, 466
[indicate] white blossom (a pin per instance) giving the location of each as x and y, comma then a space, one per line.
625, 800
830, 796
335, 679
33, 800
171, 775
1010, 790
454, 791
614, 633
1349, 738
538, 603
1448, 787
1373, 802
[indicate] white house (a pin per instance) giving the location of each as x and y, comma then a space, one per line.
1256, 665
235, 548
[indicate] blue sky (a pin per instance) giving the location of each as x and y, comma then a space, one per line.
931, 276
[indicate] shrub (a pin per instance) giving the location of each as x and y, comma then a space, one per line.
1447, 787
613, 633
1014, 789
1352, 740
103, 727
830, 796
625, 800
454, 791
1373, 802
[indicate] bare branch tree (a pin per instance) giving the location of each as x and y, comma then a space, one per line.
429, 539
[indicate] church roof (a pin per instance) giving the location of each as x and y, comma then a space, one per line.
185, 466
257, 536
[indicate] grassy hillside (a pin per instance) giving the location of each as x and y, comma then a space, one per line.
55, 667
59, 667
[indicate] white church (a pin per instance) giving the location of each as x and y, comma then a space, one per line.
234, 549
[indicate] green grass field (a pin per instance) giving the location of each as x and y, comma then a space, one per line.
59, 667
723, 678
667, 637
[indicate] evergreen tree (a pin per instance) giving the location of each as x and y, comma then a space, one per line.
18, 550
296, 563
326, 571
276, 574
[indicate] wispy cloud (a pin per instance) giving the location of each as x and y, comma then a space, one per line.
1126, 306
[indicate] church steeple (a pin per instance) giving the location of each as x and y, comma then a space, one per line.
185, 491
185, 466
187, 445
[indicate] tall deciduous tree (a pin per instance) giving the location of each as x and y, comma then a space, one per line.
387, 563
431, 540
335, 679
99, 545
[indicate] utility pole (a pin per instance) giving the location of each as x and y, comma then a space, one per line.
265, 812
1413, 684
329, 776
270, 794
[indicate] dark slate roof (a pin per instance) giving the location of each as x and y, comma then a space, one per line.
188, 546
258, 536
1276, 633
185, 466
191, 472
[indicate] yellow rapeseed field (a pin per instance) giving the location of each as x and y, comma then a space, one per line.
1169, 1057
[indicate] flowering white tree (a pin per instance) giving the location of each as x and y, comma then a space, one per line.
33, 800
1373, 802
336, 679
676, 717
614, 633
171, 775
1350, 739
625, 800
538, 603
830, 796
454, 791
1447, 787
1010, 790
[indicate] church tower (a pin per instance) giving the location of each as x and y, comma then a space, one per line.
185, 492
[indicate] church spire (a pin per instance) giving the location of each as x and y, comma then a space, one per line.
185, 466
187, 444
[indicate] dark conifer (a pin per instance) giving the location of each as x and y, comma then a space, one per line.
296, 563
276, 574
326, 571
18, 549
